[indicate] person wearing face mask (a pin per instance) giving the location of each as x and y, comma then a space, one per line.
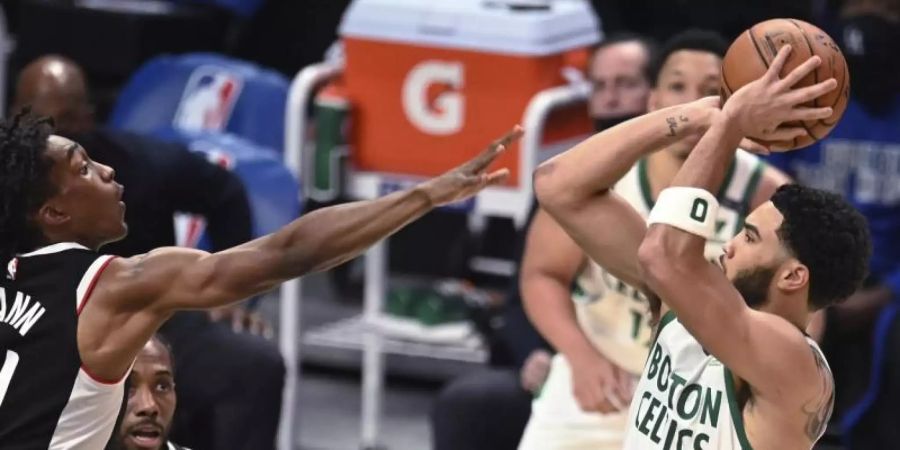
860, 160
488, 409
599, 325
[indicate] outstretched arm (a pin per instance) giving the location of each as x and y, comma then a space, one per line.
134, 296
763, 349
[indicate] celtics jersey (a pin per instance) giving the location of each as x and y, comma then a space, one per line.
685, 398
614, 315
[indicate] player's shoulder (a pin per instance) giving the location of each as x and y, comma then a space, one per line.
802, 367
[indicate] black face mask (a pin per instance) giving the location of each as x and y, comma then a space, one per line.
870, 44
609, 122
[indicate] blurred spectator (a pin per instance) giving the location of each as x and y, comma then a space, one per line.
861, 160
150, 400
238, 408
598, 324
488, 410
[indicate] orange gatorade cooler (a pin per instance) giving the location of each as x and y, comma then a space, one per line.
432, 81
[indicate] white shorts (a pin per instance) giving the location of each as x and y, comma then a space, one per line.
558, 423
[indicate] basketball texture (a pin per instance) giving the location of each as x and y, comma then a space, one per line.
751, 53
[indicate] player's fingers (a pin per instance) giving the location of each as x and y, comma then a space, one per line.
238, 318
801, 71
811, 113
257, 324
754, 147
511, 136
586, 402
778, 62
787, 134
486, 157
497, 177
809, 93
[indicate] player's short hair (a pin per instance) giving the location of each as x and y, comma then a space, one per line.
164, 343
829, 236
24, 180
692, 39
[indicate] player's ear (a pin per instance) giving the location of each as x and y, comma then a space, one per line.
793, 276
51, 215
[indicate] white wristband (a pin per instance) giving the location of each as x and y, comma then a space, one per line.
689, 209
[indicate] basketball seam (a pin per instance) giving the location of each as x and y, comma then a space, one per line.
756, 46
838, 98
811, 53
815, 77
725, 82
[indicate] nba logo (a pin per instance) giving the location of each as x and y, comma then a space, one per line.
208, 99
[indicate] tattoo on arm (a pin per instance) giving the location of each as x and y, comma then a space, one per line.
673, 123
818, 409
138, 265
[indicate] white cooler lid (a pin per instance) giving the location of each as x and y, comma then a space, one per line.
523, 27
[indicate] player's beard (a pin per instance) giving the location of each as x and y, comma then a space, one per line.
754, 285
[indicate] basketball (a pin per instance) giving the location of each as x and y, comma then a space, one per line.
751, 53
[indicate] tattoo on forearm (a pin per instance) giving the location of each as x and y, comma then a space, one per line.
818, 409
673, 124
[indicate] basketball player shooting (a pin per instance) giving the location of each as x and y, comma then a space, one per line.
73, 320
730, 367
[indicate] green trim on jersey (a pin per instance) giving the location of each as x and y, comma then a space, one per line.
644, 181
737, 416
749, 191
647, 192
666, 318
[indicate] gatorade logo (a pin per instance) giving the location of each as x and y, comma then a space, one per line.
431, 97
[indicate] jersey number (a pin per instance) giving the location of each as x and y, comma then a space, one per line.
6, 372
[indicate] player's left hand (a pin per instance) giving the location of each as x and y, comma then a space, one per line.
714, 103
761, 107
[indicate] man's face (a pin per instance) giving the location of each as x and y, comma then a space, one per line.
686, 75
87, 205
71, 114
151, 400
752, 258
620, 87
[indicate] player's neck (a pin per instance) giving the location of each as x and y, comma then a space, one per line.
51, 238
789, 307
662, 167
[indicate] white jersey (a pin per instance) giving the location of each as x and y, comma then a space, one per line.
685, 398
614, 315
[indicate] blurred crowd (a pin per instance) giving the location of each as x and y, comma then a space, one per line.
546, 377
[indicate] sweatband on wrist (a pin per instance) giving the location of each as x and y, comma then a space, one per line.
693, 210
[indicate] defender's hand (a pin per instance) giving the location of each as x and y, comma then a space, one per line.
471, 177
